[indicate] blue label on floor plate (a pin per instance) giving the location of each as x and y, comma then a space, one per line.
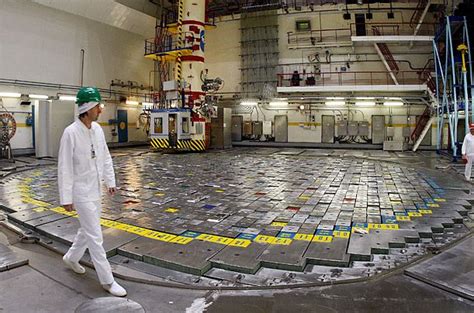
209, 206
389, 220
286, 235
402, 213
360, 225
428, 200
342, 228
247, 236
420, 206
190, 234
322, 232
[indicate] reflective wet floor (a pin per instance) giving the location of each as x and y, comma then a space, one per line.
276, 216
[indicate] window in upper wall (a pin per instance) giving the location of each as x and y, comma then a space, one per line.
158, 125
302, 26
185, 125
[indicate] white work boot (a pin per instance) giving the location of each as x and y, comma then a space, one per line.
75, 266
115, 289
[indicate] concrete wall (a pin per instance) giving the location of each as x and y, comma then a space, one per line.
43, 45
222, 59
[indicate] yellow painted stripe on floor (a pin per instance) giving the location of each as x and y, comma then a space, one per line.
383, 226
242, 243
281, 241
264, 239
341, 234
318, 238
415, 214
280, 224
403, 218
425, 211
433, 205
181, 240
303, 237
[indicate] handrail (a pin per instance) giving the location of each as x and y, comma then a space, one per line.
395, 29
317, 35
347, 78
168, 43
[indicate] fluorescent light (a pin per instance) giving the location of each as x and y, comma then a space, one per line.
132, 102
147, 104
391, 98
278, 103
43, 97
393, 103
10, 94
67, 98
248, 103
334, 98
365, 103
365, 98
336, 103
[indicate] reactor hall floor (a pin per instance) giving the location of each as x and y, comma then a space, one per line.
263, 217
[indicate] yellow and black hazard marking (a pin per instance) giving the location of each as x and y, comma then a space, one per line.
185, 145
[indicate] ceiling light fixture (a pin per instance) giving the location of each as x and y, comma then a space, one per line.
10, 95
67, 98
335, 103
365, 103
393, 103
40, 97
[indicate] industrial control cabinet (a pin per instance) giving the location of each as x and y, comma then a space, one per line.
378, 129
237, 123
328, 124
221, 135
281, 128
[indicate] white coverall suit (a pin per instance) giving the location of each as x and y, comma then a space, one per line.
84, 161
468, 150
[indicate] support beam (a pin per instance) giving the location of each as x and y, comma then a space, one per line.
423, 133
384, 61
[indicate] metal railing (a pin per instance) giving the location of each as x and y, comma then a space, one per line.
168, 43
391, 29
347, 78
315, 36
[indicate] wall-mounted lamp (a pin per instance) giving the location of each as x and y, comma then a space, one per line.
390, 14
368, 15
347, 15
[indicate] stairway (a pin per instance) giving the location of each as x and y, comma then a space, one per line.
422, 127
388, 56
420, 8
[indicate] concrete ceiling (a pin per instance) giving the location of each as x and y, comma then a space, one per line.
111, 12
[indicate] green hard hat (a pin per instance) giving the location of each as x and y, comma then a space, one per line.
88, 94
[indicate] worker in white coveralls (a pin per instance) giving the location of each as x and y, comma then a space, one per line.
468, 151
84, 161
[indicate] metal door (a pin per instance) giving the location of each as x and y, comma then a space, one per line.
360, 25
122, 122
281, 128
237, 121
328, 128
378, 129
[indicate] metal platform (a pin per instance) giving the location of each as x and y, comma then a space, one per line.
260, 212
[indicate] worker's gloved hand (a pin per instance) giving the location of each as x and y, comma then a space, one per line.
68, 207
112, 190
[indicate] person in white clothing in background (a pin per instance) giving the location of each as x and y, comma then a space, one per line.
84, 161
468, 151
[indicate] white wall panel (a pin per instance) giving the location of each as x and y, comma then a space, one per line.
44, 44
